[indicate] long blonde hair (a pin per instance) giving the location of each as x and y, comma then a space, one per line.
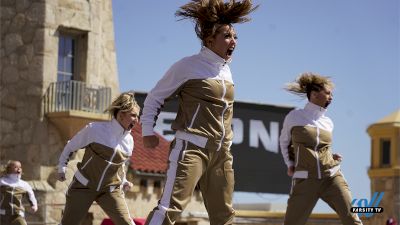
210, 15
125, 102
307, 82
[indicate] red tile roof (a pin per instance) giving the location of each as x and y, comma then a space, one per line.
149, 160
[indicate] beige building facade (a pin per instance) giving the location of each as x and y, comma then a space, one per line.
384, 171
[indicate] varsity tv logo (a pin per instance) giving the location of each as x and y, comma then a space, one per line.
368, 208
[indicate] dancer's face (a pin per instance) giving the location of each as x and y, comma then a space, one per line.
224, 42
323, 97
128, 119
14, 168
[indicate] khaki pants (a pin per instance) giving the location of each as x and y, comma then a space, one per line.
306, 192
12, 220
190, 165
80, 198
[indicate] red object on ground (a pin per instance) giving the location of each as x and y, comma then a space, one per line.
138, 221
391, 221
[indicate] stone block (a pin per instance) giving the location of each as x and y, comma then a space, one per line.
28, 32
6, 126
29, 53
27, 136
7, 13
38, 41
10, 140
40, 133
13, 58
35, 91
24, 124
29, 109
33, 154
9, 75
22, 5
7, 3
9, 99
36, 12
11, 42
4, 26
17, 23
8, 114
23, 62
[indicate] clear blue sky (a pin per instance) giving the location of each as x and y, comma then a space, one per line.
356, 42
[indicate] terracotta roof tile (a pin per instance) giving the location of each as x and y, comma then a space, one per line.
149, 160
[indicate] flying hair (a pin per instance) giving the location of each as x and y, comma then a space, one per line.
209, 15
307, 82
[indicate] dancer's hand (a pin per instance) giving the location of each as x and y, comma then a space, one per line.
151, 141
34, 208
337, 157
127, 186
61, 177
290, 171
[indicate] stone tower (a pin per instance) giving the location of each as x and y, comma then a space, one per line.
58, 72
385, 165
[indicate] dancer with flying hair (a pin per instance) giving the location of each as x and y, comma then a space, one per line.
101, 175
306, 141
200, 153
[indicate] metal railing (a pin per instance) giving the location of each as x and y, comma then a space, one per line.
76, 95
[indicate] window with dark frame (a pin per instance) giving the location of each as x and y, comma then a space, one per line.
66, 58
157, 184
143, 182
385, 152
65, 71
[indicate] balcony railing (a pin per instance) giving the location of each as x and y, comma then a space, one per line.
76, 95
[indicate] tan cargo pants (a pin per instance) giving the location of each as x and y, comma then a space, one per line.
80, 198
306, 192
190, 165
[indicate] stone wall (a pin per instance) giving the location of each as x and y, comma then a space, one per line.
24, 136
29, 55
29, 50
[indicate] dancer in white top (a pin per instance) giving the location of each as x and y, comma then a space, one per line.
12, 191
